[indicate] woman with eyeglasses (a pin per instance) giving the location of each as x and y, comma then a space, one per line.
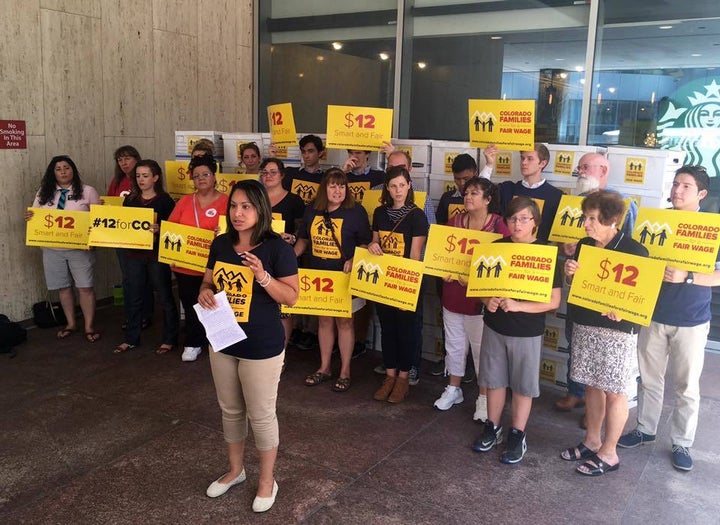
250, 157
286, 206
202, 209
603, 345
462, 316
246, 374
512, 344
400, 228
332, 227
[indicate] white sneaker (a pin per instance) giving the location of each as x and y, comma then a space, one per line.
451, 396
191, 353
480, 408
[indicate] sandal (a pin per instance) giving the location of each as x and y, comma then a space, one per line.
92, 336
316, 378
65, 332
122, 348
595, 466
577, 453
342, 384
164, 349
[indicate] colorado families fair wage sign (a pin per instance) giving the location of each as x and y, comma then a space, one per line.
509, 124
386, 279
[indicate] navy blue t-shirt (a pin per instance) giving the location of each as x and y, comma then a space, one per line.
546, 193
399, 241
265, 334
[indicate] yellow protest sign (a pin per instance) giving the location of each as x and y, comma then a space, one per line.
282, 124
222, 224
114, 227
111, 200
503, 164
386, 279
184, 246
569, 222
608, 281
564, 161
635, 170
684, 239
371, 200
178, 178
53, 228
237, 283
509, 124
322, 292
355, 127
449, 250
226, 181
508, 269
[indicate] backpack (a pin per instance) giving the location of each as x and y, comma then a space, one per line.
11, 334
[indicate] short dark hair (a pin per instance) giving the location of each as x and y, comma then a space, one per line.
464, 162
203, 160
258, 197
314, 139
699, 173
490, 191
333, 176
393, 173
280, 164
609, 204
520, 203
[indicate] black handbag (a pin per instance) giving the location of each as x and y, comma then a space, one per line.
48, 315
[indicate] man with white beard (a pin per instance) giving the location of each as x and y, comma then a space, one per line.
593, 170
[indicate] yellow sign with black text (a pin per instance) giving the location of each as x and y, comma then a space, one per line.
111, 200
509, 124
610, 281
114, 227
184, 246
226, 181
568, 225
508, 269
564, 161
449, 250
355, 127
178, 178
282, 125
53, 228
322, 292
684, 239
237, 283
386, 279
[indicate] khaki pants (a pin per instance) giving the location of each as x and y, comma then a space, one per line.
684, 348
247, 389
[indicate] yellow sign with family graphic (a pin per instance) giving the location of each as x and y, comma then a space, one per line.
237, 283
569, 222
178, 178
684, 239
114, 227
635, 170
322, 292
564, 162
323, 240
610, 281
449, 250
386, 279
503, 164
184, 246
371, 201
355, 127
282, 125
226, 181
508, 269
509, 124
53, 228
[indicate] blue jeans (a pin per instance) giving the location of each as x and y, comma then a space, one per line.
574, 389
139, 272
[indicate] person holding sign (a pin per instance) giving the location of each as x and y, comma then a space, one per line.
333, 226
603, 345
399, 228
246, 374
512, 344
289, 206
462, 316
360, 175
463, 168
250, 157
202, 209
62, 189
142, 267
678, 334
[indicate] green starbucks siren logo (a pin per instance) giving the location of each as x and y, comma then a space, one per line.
690, 121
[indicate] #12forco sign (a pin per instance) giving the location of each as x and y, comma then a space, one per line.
12, 134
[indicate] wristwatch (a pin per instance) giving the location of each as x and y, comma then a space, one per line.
690, 278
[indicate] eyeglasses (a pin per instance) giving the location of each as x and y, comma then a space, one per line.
269, 173
521, 220
586, 167
202, 175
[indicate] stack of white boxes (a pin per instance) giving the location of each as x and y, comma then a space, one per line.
289, 155
185, 140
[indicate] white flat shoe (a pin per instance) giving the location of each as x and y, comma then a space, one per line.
218, 489
264, 504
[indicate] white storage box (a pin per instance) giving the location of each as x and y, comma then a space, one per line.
564, 158
185, 140
443, 152
649, 169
